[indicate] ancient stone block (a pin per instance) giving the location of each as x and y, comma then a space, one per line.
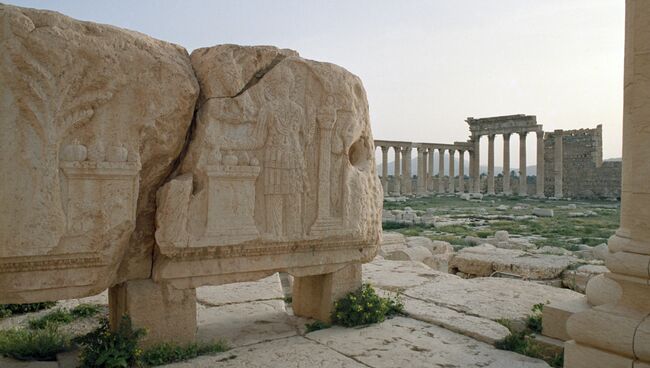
280, 174
92, 119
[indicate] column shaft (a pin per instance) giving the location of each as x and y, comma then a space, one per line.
407, 178
397, 175
490, 175
452, 174
558, 164
384, 169
506, 164
441, 170
523, 181
421, 172
539, 180
430, 173
461, 171
477, 164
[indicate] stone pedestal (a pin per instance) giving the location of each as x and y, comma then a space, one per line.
167, 314
314, 296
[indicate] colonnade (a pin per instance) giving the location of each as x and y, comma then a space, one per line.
425, 177
523, 182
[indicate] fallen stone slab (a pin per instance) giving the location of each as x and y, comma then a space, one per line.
416, 253
290, 352
405, 342
398, 275
481, 329
489, 297
247, 323
543, 212
265, 289
577, 279
485, 260
391, 242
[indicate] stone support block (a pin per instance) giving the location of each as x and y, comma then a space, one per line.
166, 313
314, 296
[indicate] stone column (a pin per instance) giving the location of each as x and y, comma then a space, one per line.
539, 180
477, 165
397, 167
461, 171
617, 334
490, 175
430, 173
384, 169
558, 164
421, 187
168, 314
470, 188
523, 183
506, 164
452, 153
314, 296
407, 185
441, 170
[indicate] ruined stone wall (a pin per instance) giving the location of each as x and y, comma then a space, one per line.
584, 174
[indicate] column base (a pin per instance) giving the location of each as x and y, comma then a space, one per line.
582, 356
166, 313
314, 296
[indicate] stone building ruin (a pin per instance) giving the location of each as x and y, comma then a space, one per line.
572, 169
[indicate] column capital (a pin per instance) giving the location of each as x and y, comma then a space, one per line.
384, 148
540, 134
491, 136
522, 135
506, 136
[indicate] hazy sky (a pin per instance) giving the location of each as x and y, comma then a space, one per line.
426, 65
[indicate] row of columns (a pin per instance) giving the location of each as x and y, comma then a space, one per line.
425, 157
523, 183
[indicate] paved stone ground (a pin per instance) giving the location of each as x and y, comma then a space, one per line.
449, 322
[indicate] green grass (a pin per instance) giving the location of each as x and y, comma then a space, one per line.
317, 325
169, 353
41, 344
7, 310
559, 231
62, 316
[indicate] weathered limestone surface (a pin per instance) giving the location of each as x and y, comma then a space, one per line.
282, 177
403, 342
484, 260
93, 117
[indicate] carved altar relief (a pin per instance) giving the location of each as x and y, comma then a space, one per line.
284, 162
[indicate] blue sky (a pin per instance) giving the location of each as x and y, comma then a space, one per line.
426, 65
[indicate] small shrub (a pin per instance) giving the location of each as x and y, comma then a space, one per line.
484, 233
42, 344
364, 307
56, 317
103, 348
316, 325
85, 310
7, 310
61, 316
391, 225
534, 322
169, 353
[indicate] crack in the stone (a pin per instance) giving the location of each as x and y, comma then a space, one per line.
213, 305
353, 357
257, 76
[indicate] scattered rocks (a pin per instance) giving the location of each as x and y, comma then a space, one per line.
601, 252
415, 253
485, 260
577, 279
543, 212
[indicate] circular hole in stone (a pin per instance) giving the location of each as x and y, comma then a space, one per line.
359, 154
